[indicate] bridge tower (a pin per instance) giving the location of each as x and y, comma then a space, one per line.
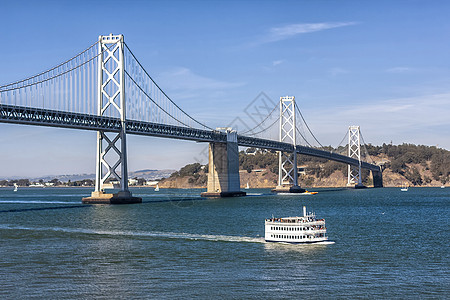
287, 163
354, 151
111, 154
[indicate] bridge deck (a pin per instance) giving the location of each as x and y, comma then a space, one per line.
52, 118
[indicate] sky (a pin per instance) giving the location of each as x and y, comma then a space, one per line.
382, 65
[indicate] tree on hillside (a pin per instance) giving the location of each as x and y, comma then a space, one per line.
413, 175
55, 181
23, 182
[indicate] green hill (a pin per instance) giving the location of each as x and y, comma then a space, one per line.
406, 163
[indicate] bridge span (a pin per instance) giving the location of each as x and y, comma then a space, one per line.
106, 89
53, 118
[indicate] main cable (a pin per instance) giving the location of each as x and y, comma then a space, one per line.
365, 148
255, 133
307, 125
155, 101
201, 124
49, 70
276, 106
49, 78
303, 137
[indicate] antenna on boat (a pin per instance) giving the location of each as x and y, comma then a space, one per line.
304, 211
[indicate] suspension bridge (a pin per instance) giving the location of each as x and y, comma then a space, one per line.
106, 89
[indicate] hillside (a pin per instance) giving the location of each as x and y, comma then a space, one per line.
407, 163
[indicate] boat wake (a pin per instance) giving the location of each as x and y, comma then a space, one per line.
152, 234
325, 243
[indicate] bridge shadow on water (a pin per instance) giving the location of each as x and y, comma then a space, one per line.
42, 208
178, 200
184, 200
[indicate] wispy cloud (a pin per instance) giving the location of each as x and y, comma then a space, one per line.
337, 71
399, 70
277, 62
183, 79
288, 31
410, 120
197, 94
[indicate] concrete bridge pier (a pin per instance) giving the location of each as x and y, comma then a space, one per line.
377, 179
223, 168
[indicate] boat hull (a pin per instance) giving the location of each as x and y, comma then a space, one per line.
297, 243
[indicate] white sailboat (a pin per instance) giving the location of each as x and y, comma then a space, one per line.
157, 188
15, 187
404, 188
247, 187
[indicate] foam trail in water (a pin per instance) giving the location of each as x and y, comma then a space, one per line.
157, 234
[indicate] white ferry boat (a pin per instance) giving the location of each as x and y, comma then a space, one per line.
296, 230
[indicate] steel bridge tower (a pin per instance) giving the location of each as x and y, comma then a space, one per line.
111, 154
354, 151
287, 164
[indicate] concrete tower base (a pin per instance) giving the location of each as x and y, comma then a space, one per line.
118, 198
357, 186
223, 194
288, 189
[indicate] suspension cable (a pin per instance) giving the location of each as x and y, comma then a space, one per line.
255, 133
303, 137
276, 106
49, 70
155, 101
201, 124
307, 125
50, 78
365, 148
346, 134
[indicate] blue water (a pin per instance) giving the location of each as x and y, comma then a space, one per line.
388, 244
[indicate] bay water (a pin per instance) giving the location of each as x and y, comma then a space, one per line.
388, 244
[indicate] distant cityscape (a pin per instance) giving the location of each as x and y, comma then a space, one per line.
140, 177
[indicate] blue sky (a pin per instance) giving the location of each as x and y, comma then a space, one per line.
382, 65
